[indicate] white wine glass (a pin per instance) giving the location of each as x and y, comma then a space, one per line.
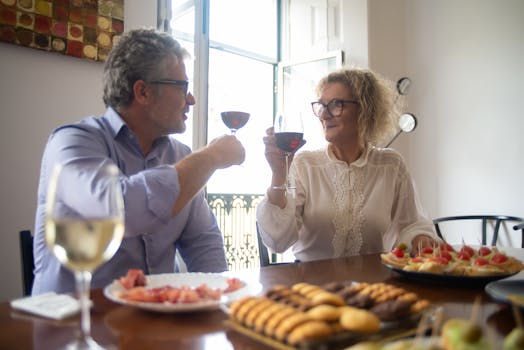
84, 229
235, 120
289, 133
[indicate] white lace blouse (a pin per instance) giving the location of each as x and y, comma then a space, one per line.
342, 210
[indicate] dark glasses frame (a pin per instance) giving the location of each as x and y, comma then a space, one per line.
183, 83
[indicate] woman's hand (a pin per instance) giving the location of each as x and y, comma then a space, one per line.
422, 241
276, 158
277, 162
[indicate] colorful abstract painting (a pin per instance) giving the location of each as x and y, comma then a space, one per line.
79, 28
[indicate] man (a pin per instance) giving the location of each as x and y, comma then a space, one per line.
145, 92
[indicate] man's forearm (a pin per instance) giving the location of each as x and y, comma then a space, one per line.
193, 173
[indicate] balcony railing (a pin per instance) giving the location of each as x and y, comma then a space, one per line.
236, 216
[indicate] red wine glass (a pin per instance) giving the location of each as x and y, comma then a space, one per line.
234, 120
289, 132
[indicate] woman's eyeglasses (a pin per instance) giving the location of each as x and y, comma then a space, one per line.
334, 107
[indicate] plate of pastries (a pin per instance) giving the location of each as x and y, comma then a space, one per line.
457, 265
335, 315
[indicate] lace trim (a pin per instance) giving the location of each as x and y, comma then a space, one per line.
348, 219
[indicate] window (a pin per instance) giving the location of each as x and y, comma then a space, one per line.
297, 82
242, 59
236, 47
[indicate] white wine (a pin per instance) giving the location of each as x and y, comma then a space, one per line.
83, 245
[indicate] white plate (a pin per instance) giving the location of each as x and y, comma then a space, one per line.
503, 289
191, 279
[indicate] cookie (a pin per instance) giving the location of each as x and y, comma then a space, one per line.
327, 298
233, 309
326, 313
244, 309
265, 315
256, 311
274, 321
308, 331
359, 320
289, 323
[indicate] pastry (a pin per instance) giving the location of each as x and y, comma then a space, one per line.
265, 315
274, 321
256, 311
307, 331
359, 320
289, 323
326, 313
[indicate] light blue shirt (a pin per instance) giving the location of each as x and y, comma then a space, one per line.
150, 187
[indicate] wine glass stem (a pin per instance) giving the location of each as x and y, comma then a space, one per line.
288, 185
83, 282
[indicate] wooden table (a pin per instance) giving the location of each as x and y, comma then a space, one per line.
129, 328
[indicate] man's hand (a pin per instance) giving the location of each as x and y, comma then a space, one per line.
226, 150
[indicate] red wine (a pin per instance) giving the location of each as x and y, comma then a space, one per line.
235, 120
289, 141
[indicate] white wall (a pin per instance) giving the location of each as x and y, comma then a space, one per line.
39, 91
464, 58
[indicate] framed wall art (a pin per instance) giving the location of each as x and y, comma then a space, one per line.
78, 28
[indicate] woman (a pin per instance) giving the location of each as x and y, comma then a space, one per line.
351, 197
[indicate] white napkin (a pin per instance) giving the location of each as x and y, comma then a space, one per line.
50, 305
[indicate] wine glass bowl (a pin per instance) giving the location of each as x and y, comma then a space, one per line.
289, 133
288, 141
235, 120
84, 229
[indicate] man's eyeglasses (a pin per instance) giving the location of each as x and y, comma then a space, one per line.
334, 107
182, 83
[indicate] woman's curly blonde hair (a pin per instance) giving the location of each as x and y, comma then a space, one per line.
377, 100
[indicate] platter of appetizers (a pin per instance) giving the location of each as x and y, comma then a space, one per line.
455, 265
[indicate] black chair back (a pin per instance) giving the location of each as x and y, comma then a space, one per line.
496, 220
262, 251
28, 265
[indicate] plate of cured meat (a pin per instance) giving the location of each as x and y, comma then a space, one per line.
178, 292
453, 265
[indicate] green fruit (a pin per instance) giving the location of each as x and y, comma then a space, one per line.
514, 340
471, 333
402, 246
464, 335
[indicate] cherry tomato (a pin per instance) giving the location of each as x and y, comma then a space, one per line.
445, 254
446, 247
463, 255
480, 262
468, 250
399, 253
499, 258
483, 251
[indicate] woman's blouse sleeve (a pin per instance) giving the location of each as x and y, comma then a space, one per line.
408, 215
